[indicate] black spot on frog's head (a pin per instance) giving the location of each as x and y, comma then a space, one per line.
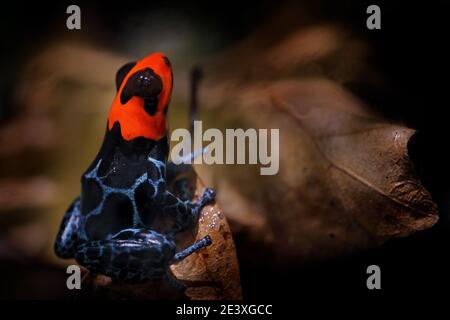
145, 84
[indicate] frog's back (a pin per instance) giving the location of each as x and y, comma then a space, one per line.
116, 187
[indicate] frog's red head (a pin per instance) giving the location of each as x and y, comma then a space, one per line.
143, 94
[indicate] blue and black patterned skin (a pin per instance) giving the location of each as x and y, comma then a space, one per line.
114, 227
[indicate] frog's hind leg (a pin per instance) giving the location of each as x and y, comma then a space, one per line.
106, 257
131, 255
67, 239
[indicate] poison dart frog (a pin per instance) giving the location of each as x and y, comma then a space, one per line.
110, 227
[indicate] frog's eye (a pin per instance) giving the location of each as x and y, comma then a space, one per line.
122, 73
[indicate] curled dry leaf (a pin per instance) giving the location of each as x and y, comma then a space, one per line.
209, 274
345, 182
366, 153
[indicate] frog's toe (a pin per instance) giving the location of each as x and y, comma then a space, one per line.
209, 195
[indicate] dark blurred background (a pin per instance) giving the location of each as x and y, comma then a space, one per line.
42, 152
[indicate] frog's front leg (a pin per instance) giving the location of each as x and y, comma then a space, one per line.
67, 239
204, 242
185, 213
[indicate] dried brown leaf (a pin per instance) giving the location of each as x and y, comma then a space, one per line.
346, 181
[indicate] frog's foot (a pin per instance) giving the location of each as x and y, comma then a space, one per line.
204, 242
131, 255
208, 196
